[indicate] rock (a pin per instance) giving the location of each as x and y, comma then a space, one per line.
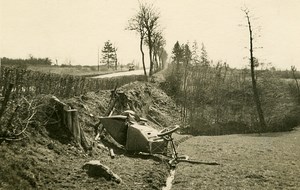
96, 169
50, 146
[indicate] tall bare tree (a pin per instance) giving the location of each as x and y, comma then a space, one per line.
145, 22
116, 59
149, 22
136, 24
294, 71
163, 56
260, 113
158, 43
187, 54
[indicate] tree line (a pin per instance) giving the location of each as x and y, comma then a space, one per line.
26, 62
215, 99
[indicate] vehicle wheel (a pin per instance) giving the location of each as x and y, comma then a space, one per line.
167, 131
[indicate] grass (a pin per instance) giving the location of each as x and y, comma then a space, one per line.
266, 161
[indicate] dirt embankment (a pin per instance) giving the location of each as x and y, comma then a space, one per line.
49, 159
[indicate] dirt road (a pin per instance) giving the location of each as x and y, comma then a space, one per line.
267, 161
125, 73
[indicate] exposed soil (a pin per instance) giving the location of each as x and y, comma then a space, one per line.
49, 159
266, 161
56, 166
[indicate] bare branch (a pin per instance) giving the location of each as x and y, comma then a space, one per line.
28, 121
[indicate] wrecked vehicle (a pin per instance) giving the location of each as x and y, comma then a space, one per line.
136, 135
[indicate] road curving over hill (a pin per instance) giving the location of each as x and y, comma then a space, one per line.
118, 74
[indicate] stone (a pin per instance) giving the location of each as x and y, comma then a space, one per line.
96, 169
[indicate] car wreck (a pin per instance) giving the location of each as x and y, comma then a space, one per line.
135, 135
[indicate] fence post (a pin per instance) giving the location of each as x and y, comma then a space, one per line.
70, 120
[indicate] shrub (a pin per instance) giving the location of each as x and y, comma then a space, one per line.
220, 100
31, 83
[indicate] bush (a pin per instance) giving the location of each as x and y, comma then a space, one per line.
220, 100
32, 83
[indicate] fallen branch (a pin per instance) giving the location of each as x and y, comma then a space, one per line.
10, 139
28, 121
199, 162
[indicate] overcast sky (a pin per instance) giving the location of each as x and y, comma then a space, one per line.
74, 29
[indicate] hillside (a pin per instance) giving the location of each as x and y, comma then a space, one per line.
48, 158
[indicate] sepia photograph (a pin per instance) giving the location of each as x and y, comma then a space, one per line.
149, 94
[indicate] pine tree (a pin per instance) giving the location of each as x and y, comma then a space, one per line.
204, 57
177, 53
109, 54
195, 56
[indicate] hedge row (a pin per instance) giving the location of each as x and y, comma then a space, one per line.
31, 83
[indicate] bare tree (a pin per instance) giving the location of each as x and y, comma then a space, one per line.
149, 22
187, 58
136, 24
116, 59
252, 66
163, 56
294, 71
158, 43
146, 23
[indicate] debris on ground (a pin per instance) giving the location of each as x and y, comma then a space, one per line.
96, 169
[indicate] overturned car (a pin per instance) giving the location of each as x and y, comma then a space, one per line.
136, 135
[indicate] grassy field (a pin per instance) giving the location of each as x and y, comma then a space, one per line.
253, 161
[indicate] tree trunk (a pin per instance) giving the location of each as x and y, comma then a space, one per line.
150, 54
185, 92
116, 61
293, 68
161, 61
143, 55
156, 61
107, 62
254, 87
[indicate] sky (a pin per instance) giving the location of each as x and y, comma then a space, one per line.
74, 30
